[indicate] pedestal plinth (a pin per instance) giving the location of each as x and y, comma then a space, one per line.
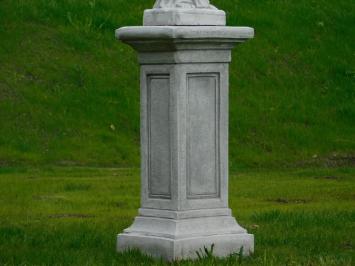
184, 141
184, 17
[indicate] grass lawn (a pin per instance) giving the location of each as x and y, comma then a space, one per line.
70, 216
69, 97
69, 92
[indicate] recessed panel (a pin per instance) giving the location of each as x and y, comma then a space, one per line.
202, 136
159, 179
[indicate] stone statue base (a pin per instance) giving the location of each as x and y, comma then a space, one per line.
184, 142
184, 17
186, 234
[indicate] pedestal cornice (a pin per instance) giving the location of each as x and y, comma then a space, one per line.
180, 44
184, 33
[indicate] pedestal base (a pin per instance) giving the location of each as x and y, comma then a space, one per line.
170, 249
180, 238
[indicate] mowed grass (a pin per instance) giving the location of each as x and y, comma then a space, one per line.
70, 216
69, 92
69, 96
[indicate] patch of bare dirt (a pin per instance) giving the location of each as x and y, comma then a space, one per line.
7, 93
347, 245
48, 197
33, 177
333, 161
71, 215
329, 177
289, 201
7, 163
121, 204
68, 163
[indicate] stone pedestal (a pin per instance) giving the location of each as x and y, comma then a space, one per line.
184, 142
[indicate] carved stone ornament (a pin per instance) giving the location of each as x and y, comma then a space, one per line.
188, 4
184, 13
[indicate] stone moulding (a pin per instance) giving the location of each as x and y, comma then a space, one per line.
159, 147
204, 86
193, 33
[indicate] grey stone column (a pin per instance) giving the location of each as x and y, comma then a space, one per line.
184, 132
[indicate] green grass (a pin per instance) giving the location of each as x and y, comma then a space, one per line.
69, 91
69, 96
70, 216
